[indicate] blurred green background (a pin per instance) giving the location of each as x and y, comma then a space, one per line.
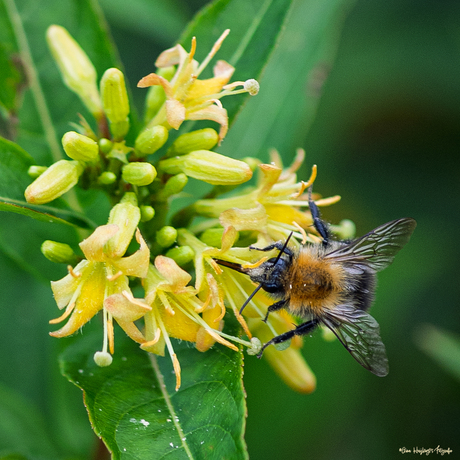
386, 137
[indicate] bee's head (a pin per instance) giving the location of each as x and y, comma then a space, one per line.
271, 274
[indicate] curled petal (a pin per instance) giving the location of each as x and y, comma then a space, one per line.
136, 264
228, 238
223, 69
171, 56
124, 307
64, 288
93, 246
214, 113
169, 269
153, 79
244, 219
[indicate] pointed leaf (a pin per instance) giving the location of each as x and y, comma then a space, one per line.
134, 407
254, 26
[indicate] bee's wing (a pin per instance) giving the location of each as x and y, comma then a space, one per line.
378, 248
359, 333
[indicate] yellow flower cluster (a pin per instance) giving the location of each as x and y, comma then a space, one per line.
172, 306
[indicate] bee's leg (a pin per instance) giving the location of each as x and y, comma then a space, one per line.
301, 329
319, 224
282, 247
275, 307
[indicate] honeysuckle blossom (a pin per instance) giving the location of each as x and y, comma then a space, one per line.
272, 209
101, 280
187, 97
177, 311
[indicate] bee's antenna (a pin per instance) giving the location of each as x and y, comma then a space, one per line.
282, 249
274, 264
317, 222
250, 297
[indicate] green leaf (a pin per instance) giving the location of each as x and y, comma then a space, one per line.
21, 424
442, 346
134, 407
254, 26
281, 114
14, 163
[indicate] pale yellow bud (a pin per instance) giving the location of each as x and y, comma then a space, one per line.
80, 147
55, 181
76, 69
209, 167
202, 139
126, 216
58, 252
151, 139
115, 102
139, 173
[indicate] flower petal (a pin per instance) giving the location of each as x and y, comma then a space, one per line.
169, 269
64, 288
125, 307
136, 264
93, 246
89, 302
245, 219
214, 113
175, 113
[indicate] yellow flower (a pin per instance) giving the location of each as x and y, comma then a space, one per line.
177, 311
101, 280
187, 97
272, 208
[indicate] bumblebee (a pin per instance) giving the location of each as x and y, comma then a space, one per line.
332, 283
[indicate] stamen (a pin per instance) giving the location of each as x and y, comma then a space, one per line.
213, 51
156, 338
302, 232
172, 354
305, 185
192, 49
166, 304
128, 296
114, 277
67, 312
110, 333
256, 264
72, 273
328, 201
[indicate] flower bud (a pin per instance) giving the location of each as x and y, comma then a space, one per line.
126, 216
181, 255
34, 171
58, 252
166, 236
115, 102
213, 237
105, 145
209, 167
76, 69
202, 139
174, 185
139, 173
79, 147
107, 178
54, 182
147, 213
151, 139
